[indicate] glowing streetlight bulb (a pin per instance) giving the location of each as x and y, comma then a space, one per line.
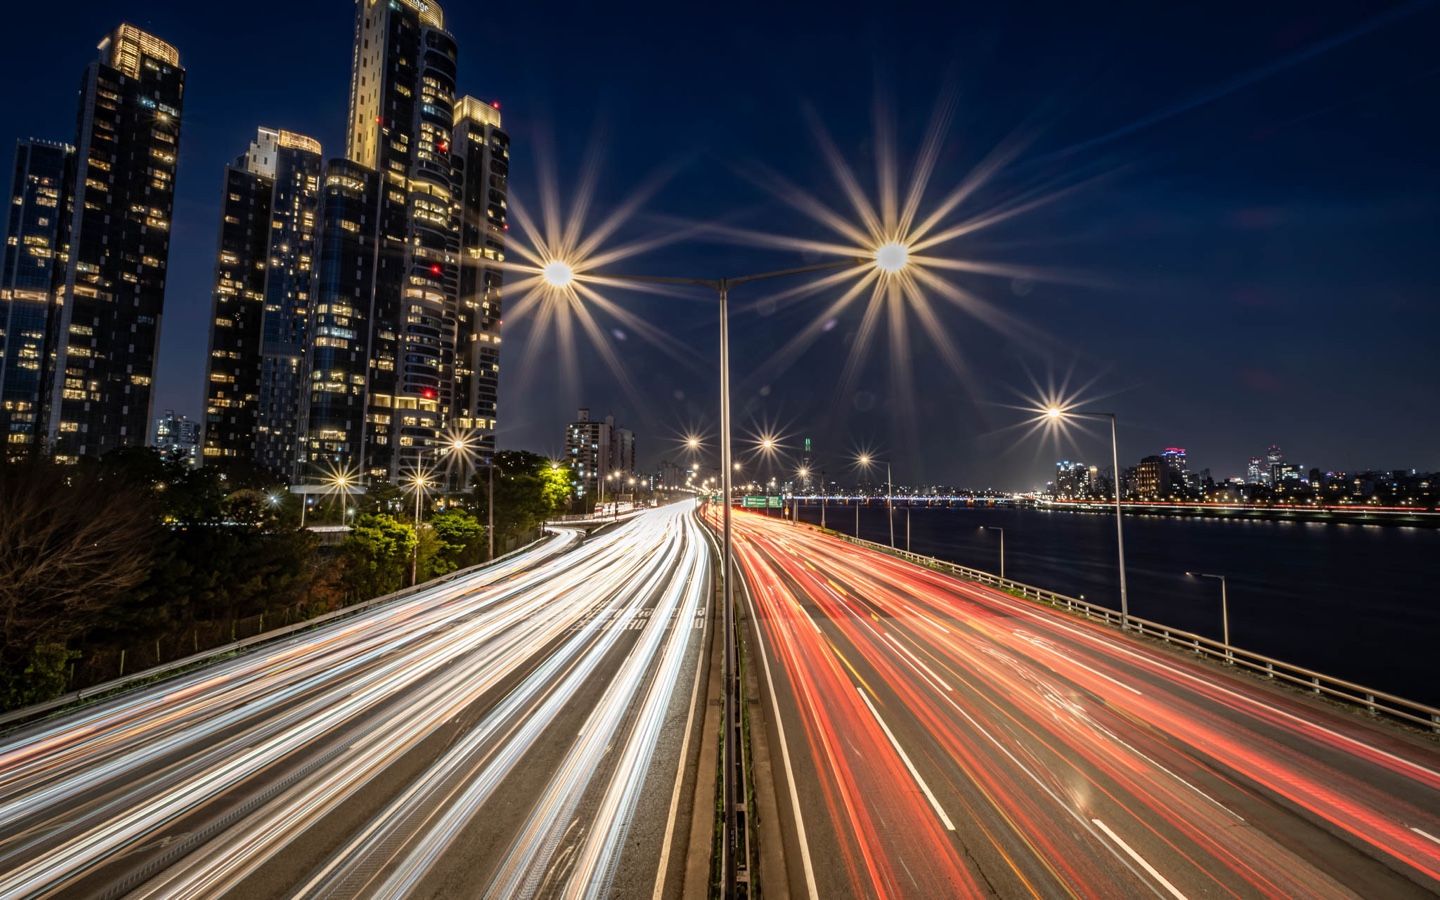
558, 274
1054, 412
892, 257
864, 459
693, 443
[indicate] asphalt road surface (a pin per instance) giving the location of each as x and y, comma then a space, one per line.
936, 738
517, 733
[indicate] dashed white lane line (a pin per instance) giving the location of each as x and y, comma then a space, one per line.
1174, 891
934, 804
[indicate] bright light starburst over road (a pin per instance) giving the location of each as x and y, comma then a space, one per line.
917, 243
556, 273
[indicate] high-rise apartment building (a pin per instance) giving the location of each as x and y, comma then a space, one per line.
480, 150
588, 453
622, 447
101, 364
1152, 478
261, 303
36, 246
399, 212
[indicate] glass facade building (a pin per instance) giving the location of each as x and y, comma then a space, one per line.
261, 302
101, 365
36, 245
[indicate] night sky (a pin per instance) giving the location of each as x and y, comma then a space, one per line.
1240, 249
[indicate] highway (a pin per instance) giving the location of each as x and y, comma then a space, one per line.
522, 732
935, 738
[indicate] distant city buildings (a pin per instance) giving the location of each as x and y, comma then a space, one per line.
177, 437
1269, 479
596, 450
91, 243
1074, 480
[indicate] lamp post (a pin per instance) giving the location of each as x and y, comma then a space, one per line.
1002, 544
1056, 413
865, 461
490, 504
419, 483
1224, 612
559, 274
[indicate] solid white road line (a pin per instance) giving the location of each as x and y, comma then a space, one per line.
1425, 834
784, 747
934, 804
679, 772
1174, 892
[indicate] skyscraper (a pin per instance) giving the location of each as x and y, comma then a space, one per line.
36, 239
383, 379
262, 301
481, 153
1274, 460
101, 363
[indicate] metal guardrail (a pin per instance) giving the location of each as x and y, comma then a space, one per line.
1374, 701
115, 685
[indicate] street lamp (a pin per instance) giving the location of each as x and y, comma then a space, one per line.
1224, 612
1002, 545
419, 484
1058, 413
864, 461
340, 482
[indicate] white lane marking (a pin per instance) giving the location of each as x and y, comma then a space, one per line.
1425, 834
679, 780
784, 746
1117, 739
906, 650
1140, 859
934, 804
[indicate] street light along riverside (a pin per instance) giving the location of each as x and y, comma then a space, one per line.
1224, 612
1057, 413
1002, 544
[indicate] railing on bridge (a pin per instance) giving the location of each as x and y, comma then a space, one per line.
1374, 701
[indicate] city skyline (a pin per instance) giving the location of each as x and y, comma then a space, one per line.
965, 423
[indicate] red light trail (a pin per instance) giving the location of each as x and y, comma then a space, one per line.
1069, 759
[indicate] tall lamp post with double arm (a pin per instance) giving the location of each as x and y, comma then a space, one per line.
561, 275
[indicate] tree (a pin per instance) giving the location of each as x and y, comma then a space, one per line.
70, 547
460, 542
377, 555
529, 489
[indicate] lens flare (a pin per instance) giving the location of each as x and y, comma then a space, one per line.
923, 252
555, 269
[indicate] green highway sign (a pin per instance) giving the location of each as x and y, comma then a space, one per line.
751, 502
776, 502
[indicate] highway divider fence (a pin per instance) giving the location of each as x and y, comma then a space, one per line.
1373, 701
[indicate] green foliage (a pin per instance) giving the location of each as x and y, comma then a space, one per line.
377, 555
529, 488
46, 675
460, 542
